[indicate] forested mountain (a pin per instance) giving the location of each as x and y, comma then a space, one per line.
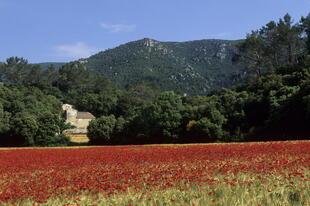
193, 67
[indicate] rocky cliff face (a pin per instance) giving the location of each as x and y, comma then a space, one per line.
194, 67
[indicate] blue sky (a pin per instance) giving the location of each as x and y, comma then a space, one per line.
65, 30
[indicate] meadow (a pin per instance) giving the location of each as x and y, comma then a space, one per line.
267, 173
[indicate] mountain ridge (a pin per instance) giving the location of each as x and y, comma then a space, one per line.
193, 67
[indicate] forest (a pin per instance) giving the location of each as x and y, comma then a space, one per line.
272, 103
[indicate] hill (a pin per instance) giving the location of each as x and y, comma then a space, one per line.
192, 67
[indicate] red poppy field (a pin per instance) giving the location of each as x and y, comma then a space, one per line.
276, 173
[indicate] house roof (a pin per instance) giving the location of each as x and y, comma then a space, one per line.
84, 115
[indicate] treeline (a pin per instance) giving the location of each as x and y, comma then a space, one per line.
273, 105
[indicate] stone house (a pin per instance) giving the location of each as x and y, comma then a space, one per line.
78, 119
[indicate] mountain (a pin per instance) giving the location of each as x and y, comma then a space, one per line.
192, 67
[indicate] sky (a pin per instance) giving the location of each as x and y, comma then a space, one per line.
66, 30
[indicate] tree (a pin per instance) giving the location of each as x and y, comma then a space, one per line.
272, 46
15, 69
33, 76
251, 53
204, 122
73, 77
100, 130
232, 106
289, 39
48, 128
206, 131
305, 24
98, 104
23, 129
164, 116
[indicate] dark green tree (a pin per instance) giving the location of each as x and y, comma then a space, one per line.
73, 77
206, 131
100, 131
15, 70
164, 116
23, 129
